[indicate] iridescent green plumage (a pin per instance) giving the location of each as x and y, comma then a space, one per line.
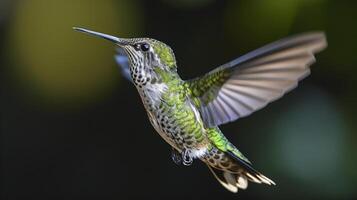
200, 86
187, 114
221, 143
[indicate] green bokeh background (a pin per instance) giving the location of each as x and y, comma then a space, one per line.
71, 127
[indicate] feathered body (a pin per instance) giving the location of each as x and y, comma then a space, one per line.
186, 114
177, 120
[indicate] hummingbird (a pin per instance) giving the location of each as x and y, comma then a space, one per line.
187, 113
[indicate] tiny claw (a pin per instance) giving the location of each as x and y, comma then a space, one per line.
187, 160
176, 157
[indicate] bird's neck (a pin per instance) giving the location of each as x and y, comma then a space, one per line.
143, 76
165, 75
162, 82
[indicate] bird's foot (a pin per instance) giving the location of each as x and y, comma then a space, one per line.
187, 160
176, 157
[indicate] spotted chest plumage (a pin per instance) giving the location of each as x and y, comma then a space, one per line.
140, 74
174, 118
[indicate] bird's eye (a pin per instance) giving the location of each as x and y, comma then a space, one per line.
144, 46
141, 46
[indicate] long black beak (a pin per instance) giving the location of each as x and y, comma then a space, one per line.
111, 38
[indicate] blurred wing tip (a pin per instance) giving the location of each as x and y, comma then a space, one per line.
313, 34
317, 40
320, 38
120, 59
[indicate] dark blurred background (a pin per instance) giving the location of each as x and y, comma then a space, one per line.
72, 127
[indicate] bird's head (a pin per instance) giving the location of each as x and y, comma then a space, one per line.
144, 54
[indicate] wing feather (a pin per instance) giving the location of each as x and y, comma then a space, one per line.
123, 62
248, 83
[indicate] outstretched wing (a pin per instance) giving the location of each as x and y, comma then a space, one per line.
123, 62
248, 83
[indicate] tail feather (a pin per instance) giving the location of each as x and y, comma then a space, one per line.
229, 180
234, 173
233, 181
252, 174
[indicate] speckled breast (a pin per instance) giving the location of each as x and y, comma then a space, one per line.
177, 124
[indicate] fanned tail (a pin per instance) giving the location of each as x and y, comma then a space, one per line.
233, 172
229, 180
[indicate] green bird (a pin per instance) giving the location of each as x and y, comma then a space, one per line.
187, 113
